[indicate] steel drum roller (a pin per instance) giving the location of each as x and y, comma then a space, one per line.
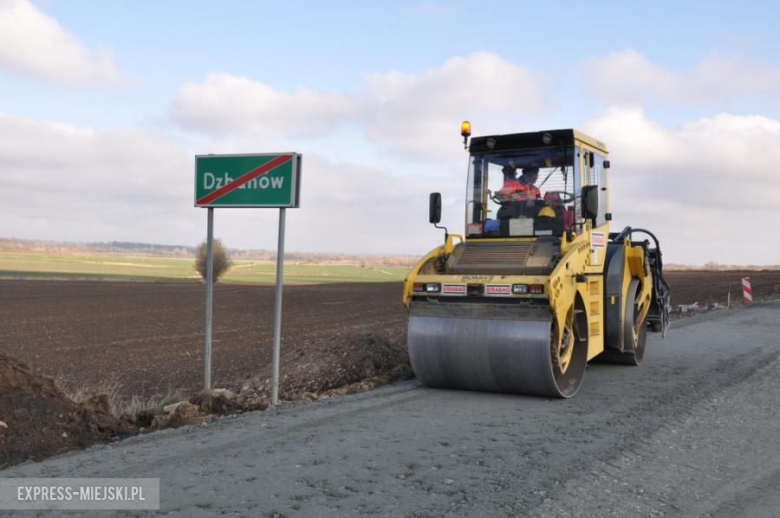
508, 353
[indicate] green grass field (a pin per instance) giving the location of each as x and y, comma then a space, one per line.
32, 265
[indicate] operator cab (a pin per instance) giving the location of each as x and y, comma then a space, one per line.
528, 184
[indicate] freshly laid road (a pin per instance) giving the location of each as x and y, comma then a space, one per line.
693, 431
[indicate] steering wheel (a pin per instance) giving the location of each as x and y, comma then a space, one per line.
563, 196
500, 197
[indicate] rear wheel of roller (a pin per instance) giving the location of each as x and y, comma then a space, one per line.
634, 332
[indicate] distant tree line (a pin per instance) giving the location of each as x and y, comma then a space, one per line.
713, 266
365, 260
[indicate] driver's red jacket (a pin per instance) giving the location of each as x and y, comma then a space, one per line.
522, 190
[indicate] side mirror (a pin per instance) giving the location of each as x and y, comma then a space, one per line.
434, 208
590, 202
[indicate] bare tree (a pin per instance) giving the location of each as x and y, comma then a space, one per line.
221, 259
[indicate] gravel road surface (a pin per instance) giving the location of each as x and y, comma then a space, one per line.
694, 431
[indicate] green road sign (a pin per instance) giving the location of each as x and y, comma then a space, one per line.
262, 180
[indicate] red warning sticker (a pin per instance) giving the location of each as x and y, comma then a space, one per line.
474, 228
498, 289
453, 289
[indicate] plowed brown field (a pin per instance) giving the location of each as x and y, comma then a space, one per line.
149, 336
690, 287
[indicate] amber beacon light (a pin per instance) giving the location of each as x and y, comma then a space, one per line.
465, 132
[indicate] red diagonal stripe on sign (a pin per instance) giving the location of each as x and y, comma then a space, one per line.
241, 180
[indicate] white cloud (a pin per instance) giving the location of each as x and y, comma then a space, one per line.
65, 183
417, 114
224, 104
708, 187
629, 77
421, 113
347, 207
61, 182
35, 44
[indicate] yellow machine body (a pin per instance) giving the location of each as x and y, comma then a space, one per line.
541, 306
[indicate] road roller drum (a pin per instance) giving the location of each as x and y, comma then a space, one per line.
512, 352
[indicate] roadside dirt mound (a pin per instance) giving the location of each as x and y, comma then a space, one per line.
38, 421
345, 363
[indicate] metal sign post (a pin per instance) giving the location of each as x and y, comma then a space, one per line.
278, 310
271, 180
209, 300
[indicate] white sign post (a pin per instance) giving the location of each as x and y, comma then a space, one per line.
209, 299
278, 310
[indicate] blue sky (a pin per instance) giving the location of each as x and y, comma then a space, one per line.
333, 45
163, 76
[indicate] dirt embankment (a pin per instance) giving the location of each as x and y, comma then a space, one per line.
336, 365
39, 421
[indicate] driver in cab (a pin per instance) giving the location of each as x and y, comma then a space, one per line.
523, 188
518, 195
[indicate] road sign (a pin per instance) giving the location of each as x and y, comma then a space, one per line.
257, 180
270, 180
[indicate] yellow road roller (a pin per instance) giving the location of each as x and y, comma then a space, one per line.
539, 286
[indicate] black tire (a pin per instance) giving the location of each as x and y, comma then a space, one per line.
568, 382
634, 333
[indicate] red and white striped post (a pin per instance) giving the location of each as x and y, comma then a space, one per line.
747, 290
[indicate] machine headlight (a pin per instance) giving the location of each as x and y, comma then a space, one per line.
433, 287
520, 288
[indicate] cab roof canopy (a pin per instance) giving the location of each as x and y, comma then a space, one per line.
536, 139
